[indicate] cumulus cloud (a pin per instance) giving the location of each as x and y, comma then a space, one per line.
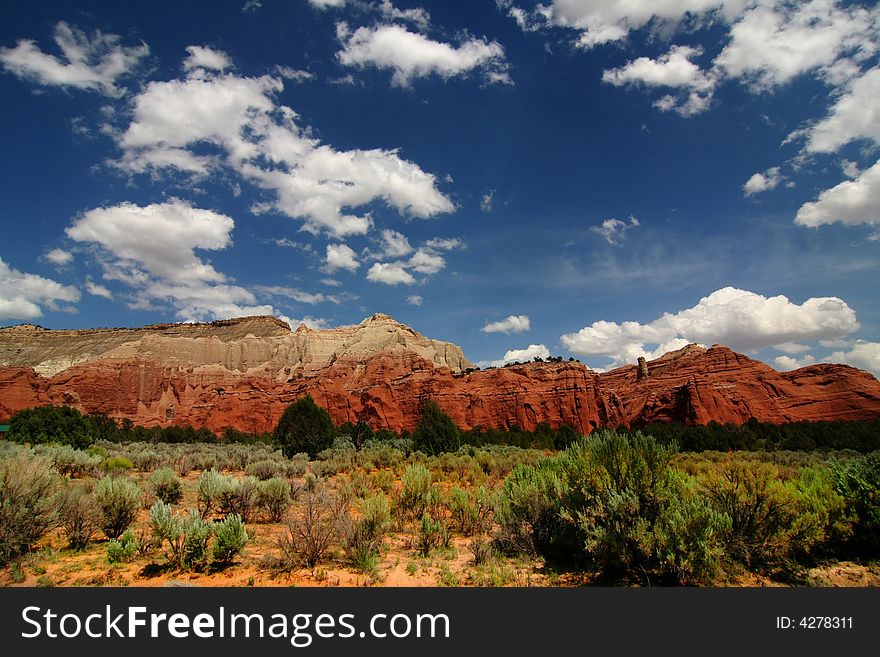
510, 324
414, 300
23, 295
390, 273
340, 256
394, 245
851, 202
673, 69
762, 182
519, 355
91, 63
98, 290
786, 363
310, 322
863, 355
294, 74
263, 142
740, 319
206, 58
855, 115
324, 4
59, 257
412, 55
613, 230
152, 250
444, 243
425, 261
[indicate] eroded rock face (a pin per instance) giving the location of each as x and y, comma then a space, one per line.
244, 373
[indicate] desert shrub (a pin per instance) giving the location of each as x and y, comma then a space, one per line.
432, 534
482, 551
529, 510
79, 515
117, 465
435, 431
304, 427
312, 527
146, 460
382, 480
858, 483
413, 498
362, 539
123, 549
766, 525
819, 499
231, 537
470, 512
298, 465
274, 496
68, 460
166, 486
211, 486
183, 538
28, 507
120, 501
265, 469
239, 496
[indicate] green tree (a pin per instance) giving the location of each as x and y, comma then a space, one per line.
304, 427
52, 424
436, 432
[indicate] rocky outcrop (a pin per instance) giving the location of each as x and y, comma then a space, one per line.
244, 373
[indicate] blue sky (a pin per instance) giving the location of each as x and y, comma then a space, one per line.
593, 179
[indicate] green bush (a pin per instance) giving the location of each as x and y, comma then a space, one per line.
52, 424
766, 524
859, 485
435, 431
274, 496
117, 464
231, 537
124, 549
211, 485
166, 485
470, 512
304, 427
28, 506
413, 498
529, 511
79, 515
239, 497
68, 460
265, 469
362, 539
432, 534
183, 539
120, 501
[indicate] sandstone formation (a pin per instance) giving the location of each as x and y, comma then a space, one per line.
243, 373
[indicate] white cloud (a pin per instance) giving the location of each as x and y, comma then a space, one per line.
415, 15
98, 290
424, 261
411, 55
294, 74
604, 21
251, 6
772, 43
414, 300
850, 169
673, 69
23, 294
310, 322
444, 244
262, 142
510, 324
152, 250
786, 363
206, 58
851, 202
487, 201
394, 245
93, 64
762, 182
740, 319
864, 355
391, 273
324, 4
519, 355
613, 230
791, 348
855, 115
340, 256
296, 294
59, 257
